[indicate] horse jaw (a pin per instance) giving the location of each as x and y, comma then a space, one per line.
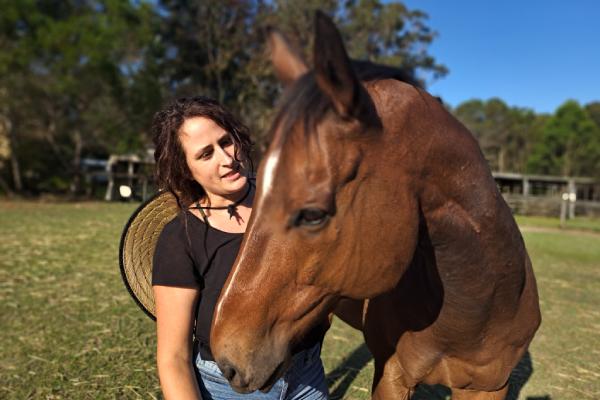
251, 346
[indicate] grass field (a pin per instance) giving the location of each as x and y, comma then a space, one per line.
69, 329
579, 224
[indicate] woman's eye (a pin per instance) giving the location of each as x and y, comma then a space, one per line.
206, 155
311, 217
226, 142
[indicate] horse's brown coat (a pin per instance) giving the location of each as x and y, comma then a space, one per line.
415, 224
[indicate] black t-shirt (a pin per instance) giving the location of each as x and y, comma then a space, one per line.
203, 262
200, 258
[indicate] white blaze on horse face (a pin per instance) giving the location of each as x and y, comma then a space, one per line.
269, 172
268, 176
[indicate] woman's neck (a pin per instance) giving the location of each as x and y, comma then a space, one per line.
226, 220
244, 197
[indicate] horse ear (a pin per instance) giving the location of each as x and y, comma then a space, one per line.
334, 73
288, 63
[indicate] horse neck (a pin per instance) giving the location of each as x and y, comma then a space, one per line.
458, 199
469, 238
468, 245
459, 195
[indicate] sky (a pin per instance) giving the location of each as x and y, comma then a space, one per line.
530, 53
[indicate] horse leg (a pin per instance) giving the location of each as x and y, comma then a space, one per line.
387, 384
461, 394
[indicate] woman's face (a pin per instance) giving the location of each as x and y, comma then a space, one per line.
209, 153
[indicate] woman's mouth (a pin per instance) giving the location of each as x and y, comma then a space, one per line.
231, 175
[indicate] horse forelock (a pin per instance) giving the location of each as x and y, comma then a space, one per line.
302, 106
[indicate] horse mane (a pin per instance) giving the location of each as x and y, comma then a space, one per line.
370, 71
305, 100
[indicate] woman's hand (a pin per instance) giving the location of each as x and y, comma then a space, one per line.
175, 309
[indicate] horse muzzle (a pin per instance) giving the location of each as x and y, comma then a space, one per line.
250, 371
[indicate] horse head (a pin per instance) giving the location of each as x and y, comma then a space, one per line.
335, 214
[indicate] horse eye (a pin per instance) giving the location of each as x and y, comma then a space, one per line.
310, 217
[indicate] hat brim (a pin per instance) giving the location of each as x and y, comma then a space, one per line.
138, 241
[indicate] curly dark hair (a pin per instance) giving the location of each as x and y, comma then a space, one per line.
172, 172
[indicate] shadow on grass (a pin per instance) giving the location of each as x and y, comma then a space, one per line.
344, 374
340, 379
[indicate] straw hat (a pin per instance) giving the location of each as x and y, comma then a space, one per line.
138, 242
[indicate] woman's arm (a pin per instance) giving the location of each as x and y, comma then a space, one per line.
175, 309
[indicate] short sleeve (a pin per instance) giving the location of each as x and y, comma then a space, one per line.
172, 264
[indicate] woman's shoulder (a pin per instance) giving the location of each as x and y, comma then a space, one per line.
177, 236
186, 228
174, 226
176, 229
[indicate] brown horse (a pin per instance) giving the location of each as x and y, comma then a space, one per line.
372, 190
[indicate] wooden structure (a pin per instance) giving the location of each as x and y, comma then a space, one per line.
132, 171
543, 194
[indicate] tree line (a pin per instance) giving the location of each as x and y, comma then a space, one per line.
82, 79
515, 139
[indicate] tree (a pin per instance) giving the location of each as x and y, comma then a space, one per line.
66, 74
5, 152
218, 48
570, 144
389, 33
83, 77
593, 110
505, 134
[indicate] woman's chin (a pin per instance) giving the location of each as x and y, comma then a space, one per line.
233, 186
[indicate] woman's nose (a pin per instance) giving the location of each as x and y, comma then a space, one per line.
226, 155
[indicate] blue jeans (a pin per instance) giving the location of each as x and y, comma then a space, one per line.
305, 380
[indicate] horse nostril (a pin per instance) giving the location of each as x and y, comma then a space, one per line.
227, 370
236, 380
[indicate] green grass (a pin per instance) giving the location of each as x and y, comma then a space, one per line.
69, 329
578, 223
566, 350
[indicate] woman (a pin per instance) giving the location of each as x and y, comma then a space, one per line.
202, 156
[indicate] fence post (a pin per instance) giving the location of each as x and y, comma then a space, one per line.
572, 198
563, 209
